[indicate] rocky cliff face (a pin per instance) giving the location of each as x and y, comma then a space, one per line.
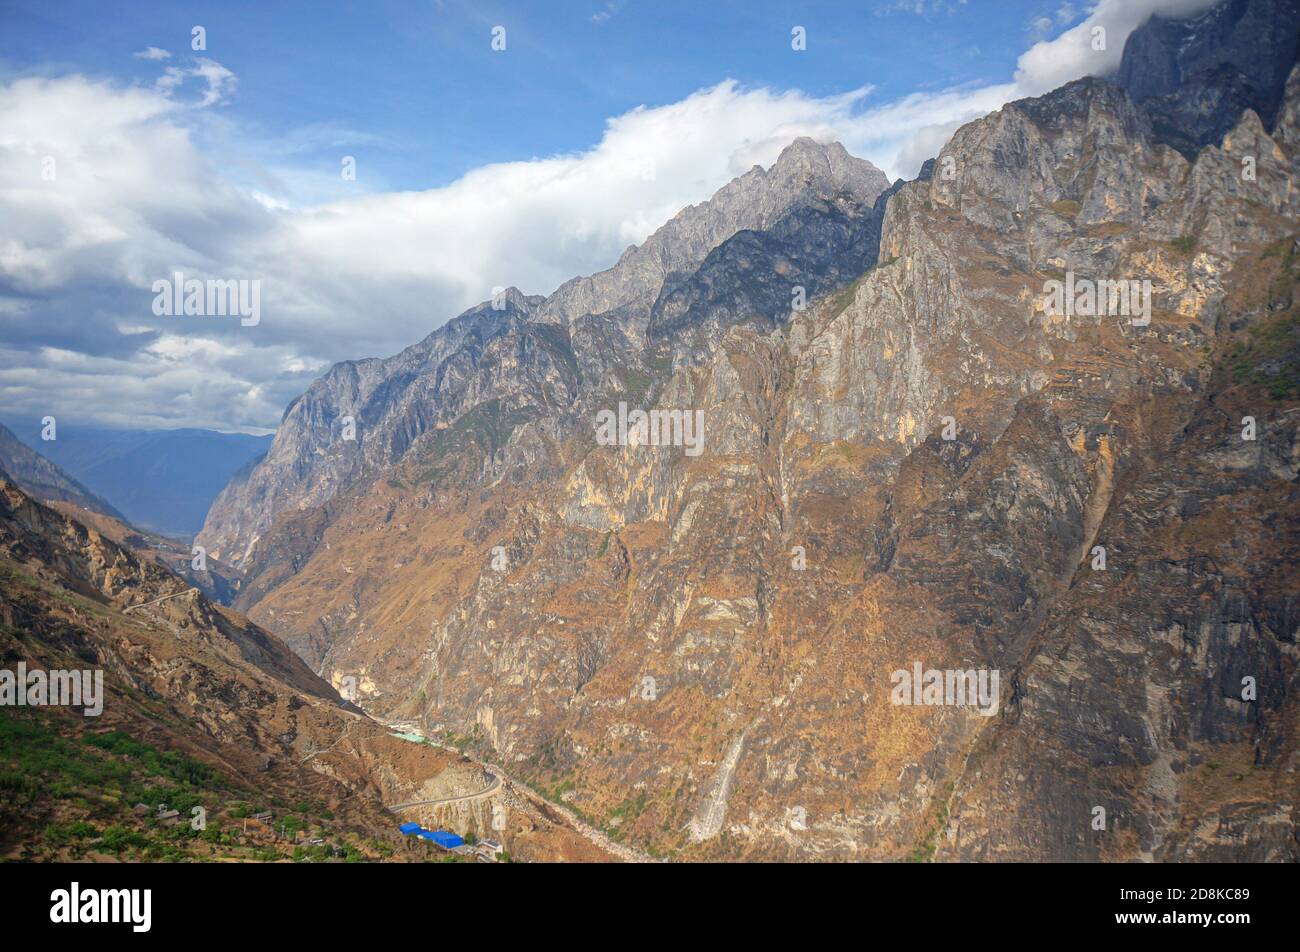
934, 464
1196, 76
516, 360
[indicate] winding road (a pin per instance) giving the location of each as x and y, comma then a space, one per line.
493, 788
538, 802
155, 601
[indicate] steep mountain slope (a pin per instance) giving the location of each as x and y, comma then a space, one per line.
1131, 695
45, 480
519, 364
200, 708
698, 651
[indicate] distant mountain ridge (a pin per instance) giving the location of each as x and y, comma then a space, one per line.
161, 480
43, 479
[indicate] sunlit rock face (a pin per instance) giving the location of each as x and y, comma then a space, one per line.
914, 456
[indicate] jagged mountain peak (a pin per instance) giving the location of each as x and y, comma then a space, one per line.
755, 200
828, 163
1196, 75
395, 401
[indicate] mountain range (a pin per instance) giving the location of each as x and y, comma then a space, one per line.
927, 466
1033, 416
163, 481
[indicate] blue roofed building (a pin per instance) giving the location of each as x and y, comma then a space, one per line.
448, 841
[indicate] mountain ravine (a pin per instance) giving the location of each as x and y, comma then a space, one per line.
202, 712
929, 466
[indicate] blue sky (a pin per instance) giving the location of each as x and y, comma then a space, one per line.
416, 87
126, 156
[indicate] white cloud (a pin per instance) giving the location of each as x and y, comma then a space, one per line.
218, 81
1039, 27
919, 7
349, 275
153, 53
1051, 63
930, 118
605, 13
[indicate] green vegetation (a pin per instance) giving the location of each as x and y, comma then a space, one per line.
61, 834
636, 385
462, 742
118, 839
35, 760
170, 764
625, 815
556, 340
77, 793
925, 849
101, 776
484, 429
1267, 354
1184, 245
555, 794
1066, 207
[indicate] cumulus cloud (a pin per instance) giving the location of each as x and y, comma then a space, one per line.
105, 189
931, 118
153, 53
